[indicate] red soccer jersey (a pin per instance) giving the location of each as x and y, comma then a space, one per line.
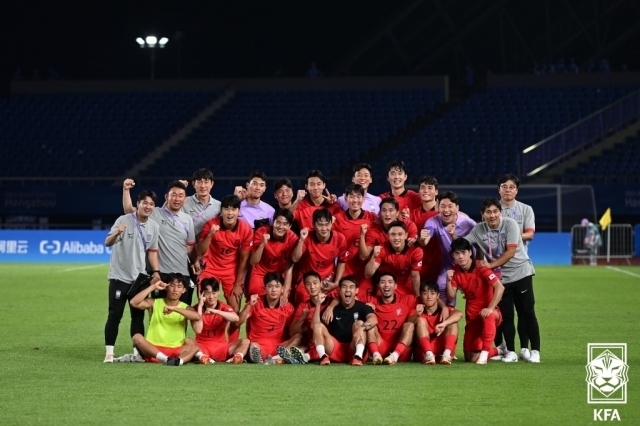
350, 228
303, 215
213, 325
221, 259
434, 319
269, 324
432, 254
377, 235
477, 286
275, 256
401, 265
408, 198
321, 257
392, 316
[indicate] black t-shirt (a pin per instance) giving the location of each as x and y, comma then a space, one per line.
343, 319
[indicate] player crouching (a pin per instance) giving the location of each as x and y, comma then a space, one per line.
482, 290
343, 338
436, 336
166, 339
210, 328
268, 321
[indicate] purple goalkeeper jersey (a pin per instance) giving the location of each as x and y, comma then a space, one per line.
437, 229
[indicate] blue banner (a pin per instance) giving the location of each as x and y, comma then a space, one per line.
53, 246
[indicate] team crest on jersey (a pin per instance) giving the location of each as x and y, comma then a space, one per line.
399, 311
355, 316
372, 208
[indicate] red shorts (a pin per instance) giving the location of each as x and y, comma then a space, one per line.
437, 345
473, 333
386, 347
169, 352
219, 351
256, 286
342, 352
267, 347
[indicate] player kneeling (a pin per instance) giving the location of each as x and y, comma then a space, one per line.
166, 339
436, 336
483, 290
393, 331
343, 338
210, 328
268, 321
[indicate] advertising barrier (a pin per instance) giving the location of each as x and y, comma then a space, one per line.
53, 246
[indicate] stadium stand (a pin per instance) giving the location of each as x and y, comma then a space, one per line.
90, 134
295, 131
480, 139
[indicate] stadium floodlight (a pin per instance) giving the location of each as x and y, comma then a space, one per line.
151, 41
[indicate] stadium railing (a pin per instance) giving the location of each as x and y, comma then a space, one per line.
589, 130
617, 243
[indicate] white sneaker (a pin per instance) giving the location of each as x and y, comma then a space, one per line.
510, 357
525, 354
535, 357
501, 349
123, 358
108, 358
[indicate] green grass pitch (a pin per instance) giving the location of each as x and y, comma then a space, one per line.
51, 370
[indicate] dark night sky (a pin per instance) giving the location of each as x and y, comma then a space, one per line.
96, 40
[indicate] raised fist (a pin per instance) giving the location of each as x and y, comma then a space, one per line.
419, 309
304, 233
265, 238
376, 251
363, 229
128, 184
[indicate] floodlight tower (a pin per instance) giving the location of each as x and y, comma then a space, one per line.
151, 42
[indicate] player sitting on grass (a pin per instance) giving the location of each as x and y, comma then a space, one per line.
166, 339
268, 320
393, 331
482, 290
436, 337
343, 339
210, 328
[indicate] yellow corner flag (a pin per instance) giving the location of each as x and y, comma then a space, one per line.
605, 220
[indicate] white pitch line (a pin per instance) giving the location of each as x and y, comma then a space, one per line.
79, 268
623, 271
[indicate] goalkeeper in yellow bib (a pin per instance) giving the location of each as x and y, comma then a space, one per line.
166, 340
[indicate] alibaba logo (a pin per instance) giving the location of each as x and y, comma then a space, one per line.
49, 247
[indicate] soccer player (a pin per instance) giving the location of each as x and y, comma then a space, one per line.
133, 237
349, 223
320, 250
432, 258
210, 328
522, 213
445, 227
378, 234
500, 239
318, 198
201, 206
343, 339
268, 320
436, 337
393, 335
396, 257
255, 212
482, 290
362, 173
283, 193
166, 339
397, 176
271, 252
225, 242
177, 237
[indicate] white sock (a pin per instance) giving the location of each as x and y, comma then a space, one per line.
447, 352
306, 357
428, 354
359, 350
181, 361
198, 355
394, 355
483, 356
320, 350
375, 354
135, 351
161, 357
109, 349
